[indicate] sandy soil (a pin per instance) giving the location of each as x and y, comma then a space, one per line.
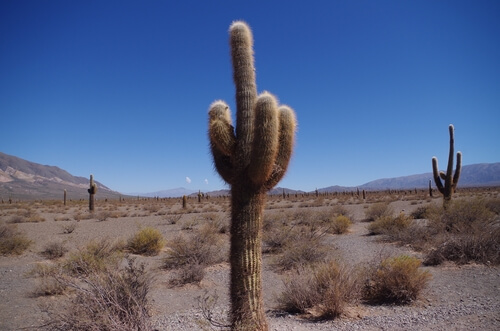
458, 297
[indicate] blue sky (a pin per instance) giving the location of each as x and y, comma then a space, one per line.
121, 89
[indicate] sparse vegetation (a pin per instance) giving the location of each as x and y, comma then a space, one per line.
148, 241
377, 210
54, 250
397, 280
325, 289
12, 242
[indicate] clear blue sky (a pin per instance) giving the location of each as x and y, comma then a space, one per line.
121, 89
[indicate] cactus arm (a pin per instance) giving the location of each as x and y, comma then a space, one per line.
266, 139
221, 131
288, 125
436, 174
246, 90
458, 170
449, 170
222, 139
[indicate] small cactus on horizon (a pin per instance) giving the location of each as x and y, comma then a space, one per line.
92, 191
450, 180
252, 158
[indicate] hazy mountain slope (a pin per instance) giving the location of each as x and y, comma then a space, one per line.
21, 179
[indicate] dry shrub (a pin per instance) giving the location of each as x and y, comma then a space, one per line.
190, 255
323, 290
482, 248
377, 210
340, 225
110, 300
95, 257
49, 279
420, 212
148, 241
26, 216
304, 246
54, 250
12, 242
389, 224
396, 280
68, 228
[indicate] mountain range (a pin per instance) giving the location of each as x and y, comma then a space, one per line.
21, 179
25, 180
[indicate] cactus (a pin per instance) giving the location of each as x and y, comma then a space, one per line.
450, 181
184, 202
92, 191
252, 158
65, 197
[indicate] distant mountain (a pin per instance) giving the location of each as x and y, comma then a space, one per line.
172, 193
482, 174
21, 179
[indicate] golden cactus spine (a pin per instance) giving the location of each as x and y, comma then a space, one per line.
450, 180
252, 158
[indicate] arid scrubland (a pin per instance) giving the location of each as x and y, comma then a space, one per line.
329, 260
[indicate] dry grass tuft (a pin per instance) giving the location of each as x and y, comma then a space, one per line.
396, 280
322, 290
148, 241
12, 242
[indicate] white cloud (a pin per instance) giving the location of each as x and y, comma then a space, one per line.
206, 181
188, 180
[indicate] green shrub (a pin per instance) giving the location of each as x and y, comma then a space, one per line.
12, 242
148, 241
396, 280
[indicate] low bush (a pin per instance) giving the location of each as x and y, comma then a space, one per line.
148, 241
304, 246
189, 255
54, 250
377, 210
325, 289
95, 257
12, 242
396, 280
111, 300
389, 224
481, 248
340, 225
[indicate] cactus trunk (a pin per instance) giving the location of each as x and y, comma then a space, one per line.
247, 311
252, 158
450, 180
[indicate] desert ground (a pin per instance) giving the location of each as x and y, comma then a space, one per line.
458, 296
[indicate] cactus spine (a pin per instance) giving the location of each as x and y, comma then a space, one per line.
92, 191
252, 159
450, 180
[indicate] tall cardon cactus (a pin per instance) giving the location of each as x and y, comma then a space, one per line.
92, 191
450, 180
252, 158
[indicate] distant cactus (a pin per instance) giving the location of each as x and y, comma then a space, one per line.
92, 191
450, 181
252, 159
65, 197
184, 202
